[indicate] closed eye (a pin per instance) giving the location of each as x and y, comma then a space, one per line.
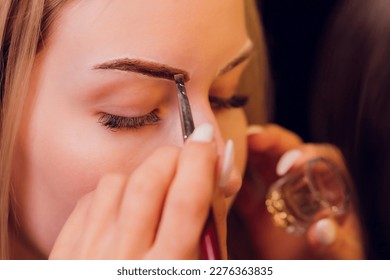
236, 101
115, 123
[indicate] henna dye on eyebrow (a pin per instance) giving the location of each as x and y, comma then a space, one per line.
160, 70
147, 68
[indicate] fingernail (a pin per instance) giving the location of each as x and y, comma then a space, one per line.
286, 161
227, 164
203, 133
254, 129
325, 232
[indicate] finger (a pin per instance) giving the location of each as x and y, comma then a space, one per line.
98, 229
189, 199
143, 201
266, 145
294, 158
80, 236
271, 138
331, 240
230, 177
66, 242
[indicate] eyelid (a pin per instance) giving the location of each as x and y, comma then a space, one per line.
115, 122
236, 101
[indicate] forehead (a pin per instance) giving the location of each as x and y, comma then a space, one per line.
187, 34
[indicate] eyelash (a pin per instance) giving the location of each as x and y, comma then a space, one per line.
236, 101
118, 122
115, 123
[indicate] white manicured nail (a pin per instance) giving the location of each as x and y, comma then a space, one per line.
325, 232
203, 133
254, 129
286, 161
227, 164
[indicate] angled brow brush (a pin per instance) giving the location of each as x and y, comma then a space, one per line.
209, 242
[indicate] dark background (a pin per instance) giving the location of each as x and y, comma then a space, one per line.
294, 30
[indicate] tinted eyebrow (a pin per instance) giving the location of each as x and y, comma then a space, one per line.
238, 60
147, 68
159, 70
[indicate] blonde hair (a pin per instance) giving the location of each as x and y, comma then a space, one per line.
255, 80
23, 26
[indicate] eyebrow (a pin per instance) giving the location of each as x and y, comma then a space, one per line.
147, 68
246, 54
159, 70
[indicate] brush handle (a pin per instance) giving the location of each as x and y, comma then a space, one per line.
209, 244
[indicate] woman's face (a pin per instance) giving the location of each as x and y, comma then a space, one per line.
87, 79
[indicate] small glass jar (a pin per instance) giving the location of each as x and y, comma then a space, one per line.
315, 190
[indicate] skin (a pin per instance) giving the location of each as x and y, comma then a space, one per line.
67, 164
266, 147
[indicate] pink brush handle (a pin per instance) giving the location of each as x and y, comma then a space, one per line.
209, 244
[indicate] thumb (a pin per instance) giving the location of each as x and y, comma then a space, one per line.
330, 240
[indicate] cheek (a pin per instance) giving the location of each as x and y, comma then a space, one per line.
60, 156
